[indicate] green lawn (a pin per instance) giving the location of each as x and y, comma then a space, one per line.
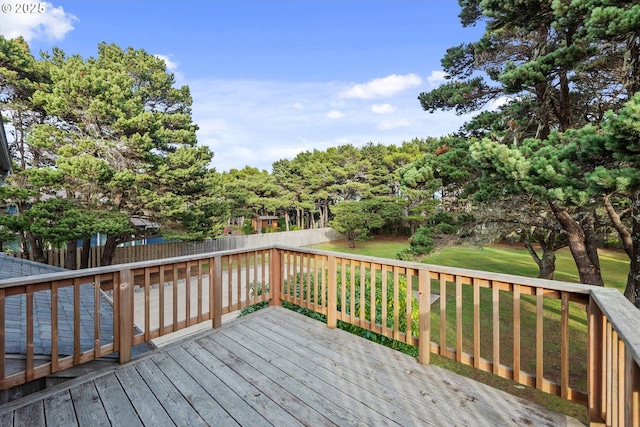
496, 258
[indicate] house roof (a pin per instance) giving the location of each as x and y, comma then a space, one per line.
144, 223
5, 156
16, 313
11, 267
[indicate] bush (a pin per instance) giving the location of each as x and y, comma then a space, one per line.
422, 242
406, 255
255, 289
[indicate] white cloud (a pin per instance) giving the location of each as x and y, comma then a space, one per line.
383, 108
53, 23
256, 123
497, 103
391, 124
384, 87
436, 78
335, 114
172, 66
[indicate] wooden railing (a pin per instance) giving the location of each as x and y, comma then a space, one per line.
578, 342
575, 341
82, 315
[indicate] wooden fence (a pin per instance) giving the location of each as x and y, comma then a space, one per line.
575, 341
129, 254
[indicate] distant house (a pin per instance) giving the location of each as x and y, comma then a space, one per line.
261, 223
5, 156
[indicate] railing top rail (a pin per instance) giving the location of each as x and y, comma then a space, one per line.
71, 274
555, 285
623, 316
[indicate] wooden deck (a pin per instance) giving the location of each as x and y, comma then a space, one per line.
279, 368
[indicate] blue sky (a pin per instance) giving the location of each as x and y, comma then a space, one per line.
270, 79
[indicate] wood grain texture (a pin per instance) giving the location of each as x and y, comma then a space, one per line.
277, 367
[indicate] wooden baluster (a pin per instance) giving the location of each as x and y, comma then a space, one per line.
443, 314
3, 338
332, 294
495, 294
424, 304
275, 277
539, 338
564, 347
97, 298
215, 291
125, 292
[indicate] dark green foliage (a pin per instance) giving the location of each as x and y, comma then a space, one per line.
355, 219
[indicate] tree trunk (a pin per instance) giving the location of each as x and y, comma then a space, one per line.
70, 258
109, 251
286, 220
580, 246
86, 251
632, 291
36, 249
546, 264
326, 213
623, 232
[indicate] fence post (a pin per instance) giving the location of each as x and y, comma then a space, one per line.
275, 277
424, 316
332, 293
125, 298
215, 291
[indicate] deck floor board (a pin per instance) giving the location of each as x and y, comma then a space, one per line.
61, 405
275, 367
88, 406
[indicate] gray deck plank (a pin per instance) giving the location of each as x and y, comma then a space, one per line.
369, 408
420, 397
458, 398
149, 410
356, 384
278, 368
59, 410
252, 395
6, 419
238, 409
202, 402
88, 406
317, 397
173, 402
29, 415
483, 403
275, 389
116, 402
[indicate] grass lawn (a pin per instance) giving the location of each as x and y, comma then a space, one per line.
501, 258
511, 259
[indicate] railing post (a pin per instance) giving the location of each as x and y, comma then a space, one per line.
125, 298
631, 391
215, 290
332, 293
424, 317
275, 277
594, 363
